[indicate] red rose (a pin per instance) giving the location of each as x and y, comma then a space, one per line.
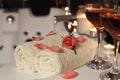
69, 42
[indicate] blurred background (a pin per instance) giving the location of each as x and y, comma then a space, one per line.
22, 19
16, 4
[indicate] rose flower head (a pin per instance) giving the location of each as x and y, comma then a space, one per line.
69, 42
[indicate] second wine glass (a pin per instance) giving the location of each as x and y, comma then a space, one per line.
93, 11
112, 25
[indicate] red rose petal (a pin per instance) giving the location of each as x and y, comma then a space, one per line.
36, 38
51, 33
80, 39
41, 46
54, 48
68, 74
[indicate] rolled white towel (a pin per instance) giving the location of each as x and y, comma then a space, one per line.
24, 56
25, 53
49, 63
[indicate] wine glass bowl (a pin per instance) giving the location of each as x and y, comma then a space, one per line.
93, 17
112, 24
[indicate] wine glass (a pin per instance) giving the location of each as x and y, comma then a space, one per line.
111, 23
92, 12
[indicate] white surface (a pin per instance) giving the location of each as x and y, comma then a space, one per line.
33, 24
25, 21
11, 72
13, 34
7, 53
5, 26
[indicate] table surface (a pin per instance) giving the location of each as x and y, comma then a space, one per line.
11, 72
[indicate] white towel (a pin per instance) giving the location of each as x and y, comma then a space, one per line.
47, 62
25, 53
24, 56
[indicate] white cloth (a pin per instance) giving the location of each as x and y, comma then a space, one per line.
25, 53
47, 62
24, 56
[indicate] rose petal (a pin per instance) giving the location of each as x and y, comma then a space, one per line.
36, 38
68, 74
51, 33
80, 39
54, 48
41, 46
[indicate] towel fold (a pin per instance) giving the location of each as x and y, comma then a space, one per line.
47, 63
24, 57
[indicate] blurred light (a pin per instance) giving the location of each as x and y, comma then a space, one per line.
10, 19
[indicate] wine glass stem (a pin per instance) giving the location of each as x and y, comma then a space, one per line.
115, 58
100, 38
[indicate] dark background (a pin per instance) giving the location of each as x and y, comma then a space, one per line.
12, 4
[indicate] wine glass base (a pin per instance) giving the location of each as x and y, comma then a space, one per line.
107, 75
99, 65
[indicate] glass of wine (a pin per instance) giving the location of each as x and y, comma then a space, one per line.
93, 12
111, 23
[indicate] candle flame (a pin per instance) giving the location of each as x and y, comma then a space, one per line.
55, 21
66, 8
74, 23
75, 30
66, 13
93, 29
109, 46
69, 25
83, 16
